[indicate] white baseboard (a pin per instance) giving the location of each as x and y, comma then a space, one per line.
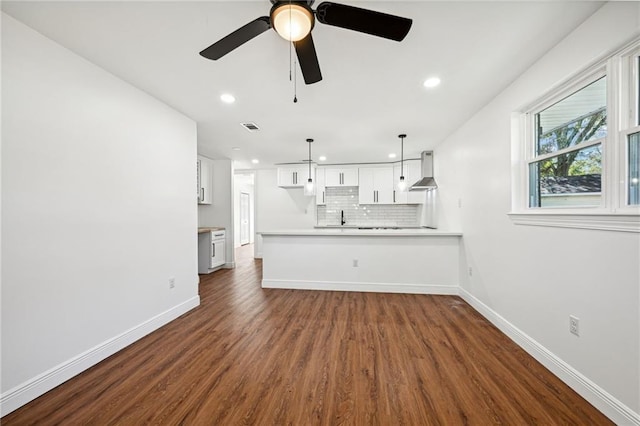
363, 287
33, 388
598, 397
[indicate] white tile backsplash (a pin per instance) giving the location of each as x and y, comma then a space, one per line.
346, 199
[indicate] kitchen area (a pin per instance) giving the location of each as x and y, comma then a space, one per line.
373, 233
367, 233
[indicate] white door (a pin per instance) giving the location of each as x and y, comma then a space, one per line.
244, 218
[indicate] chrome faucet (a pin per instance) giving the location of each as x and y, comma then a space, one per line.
342, 221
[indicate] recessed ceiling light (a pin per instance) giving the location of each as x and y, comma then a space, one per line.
227, 98
235, 148
431, 82
392, 155
255, 161
322, 158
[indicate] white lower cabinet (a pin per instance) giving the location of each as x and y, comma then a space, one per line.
211, 251
376, 185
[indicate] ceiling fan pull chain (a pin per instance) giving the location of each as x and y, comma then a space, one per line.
292, 69
295, 81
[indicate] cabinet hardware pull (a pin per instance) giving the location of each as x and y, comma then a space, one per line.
202, 196
213, 247
394, 195
323, 196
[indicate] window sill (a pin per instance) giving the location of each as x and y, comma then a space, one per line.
603, 222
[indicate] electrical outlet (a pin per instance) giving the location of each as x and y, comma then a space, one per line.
470, 271
172, 282
574, 325
355, 263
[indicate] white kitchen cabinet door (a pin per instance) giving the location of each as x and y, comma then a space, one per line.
400, 197
341, 177
320, 187
293, 177
205, 180
414, 173
376, 185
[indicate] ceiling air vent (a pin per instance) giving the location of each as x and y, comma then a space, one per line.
252, 127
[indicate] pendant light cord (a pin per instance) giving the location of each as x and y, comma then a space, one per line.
402, 157
402, 136
309, 158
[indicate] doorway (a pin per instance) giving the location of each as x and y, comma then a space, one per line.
245, 218
244, 209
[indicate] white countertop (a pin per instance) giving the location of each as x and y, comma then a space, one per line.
354, 232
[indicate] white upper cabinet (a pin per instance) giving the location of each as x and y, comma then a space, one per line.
341, 176
412, 172
205, 180
320, 187
293, 176
376, 185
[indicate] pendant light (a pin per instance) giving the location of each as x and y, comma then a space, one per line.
402, 184
309, 187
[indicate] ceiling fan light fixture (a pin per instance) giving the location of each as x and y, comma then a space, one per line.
292, 21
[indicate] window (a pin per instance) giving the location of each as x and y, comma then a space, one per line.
579, 150
566, 169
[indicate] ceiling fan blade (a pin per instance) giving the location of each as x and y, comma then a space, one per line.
363, 20
308, 59
237, 38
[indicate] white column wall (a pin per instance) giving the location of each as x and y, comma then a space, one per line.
220, 211
280, 208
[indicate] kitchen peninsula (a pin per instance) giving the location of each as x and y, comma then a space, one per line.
423, 261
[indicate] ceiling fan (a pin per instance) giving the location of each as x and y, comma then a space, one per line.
294, 20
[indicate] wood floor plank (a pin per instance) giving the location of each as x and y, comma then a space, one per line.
253, 356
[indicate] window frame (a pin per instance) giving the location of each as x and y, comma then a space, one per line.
621, 69
531, 141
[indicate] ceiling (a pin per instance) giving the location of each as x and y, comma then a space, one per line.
371, 89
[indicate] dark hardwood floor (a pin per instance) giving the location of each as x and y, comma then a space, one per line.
289, 357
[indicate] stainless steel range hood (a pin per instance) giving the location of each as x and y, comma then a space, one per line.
426, 181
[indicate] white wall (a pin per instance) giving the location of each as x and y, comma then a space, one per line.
535, 277
243, 182
98, 212
280, 208
220, 211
